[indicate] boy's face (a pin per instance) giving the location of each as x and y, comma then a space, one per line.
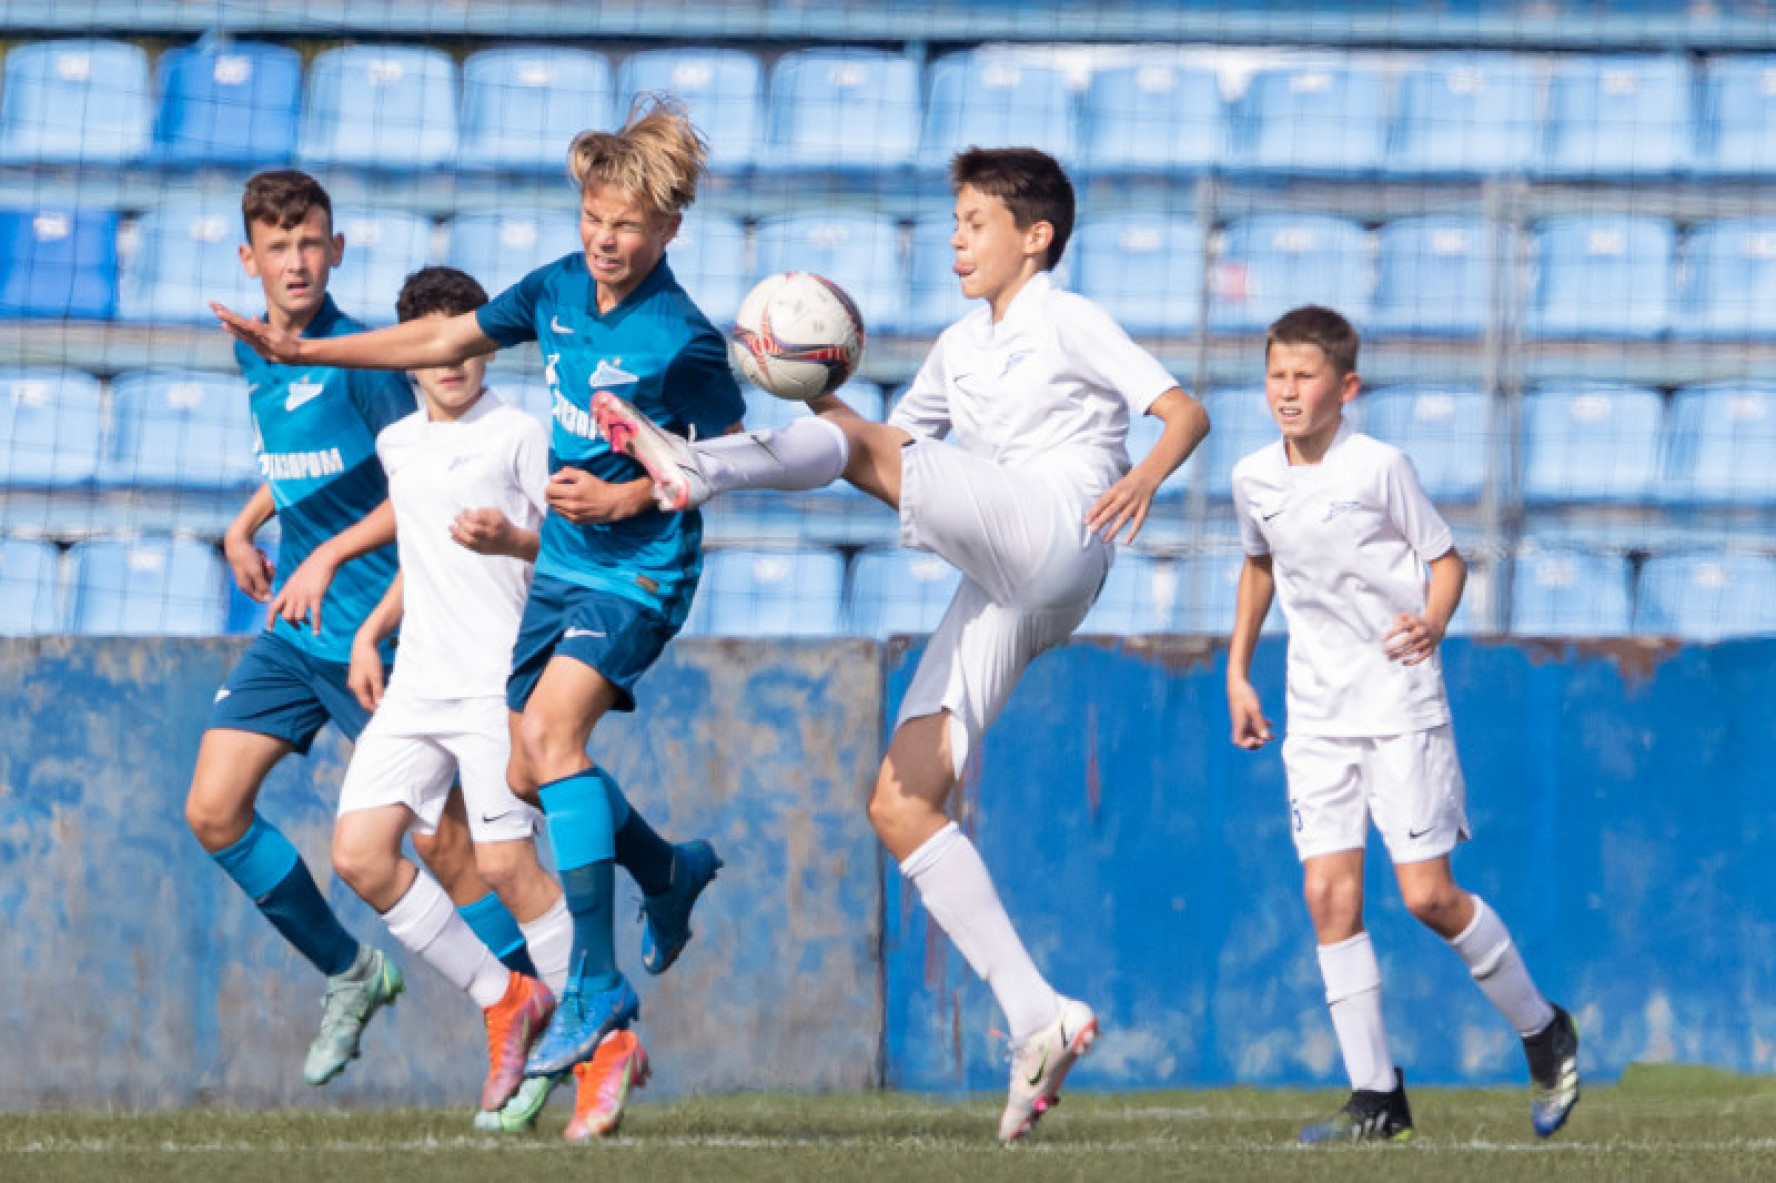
1306, 394
624, 237
293, 264
992, 253
448, 391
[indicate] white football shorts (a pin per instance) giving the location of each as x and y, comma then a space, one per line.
1410, 785
413, 750
1031, 571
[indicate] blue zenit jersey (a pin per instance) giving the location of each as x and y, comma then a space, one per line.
315, 433
659, 352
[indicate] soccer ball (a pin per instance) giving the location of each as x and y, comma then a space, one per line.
797, 336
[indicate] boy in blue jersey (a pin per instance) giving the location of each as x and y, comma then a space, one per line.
614, 577
315, 430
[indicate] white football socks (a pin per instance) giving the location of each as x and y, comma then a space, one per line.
550, 940
428, 926
808, 454
1353, 993
959, 894
1492, 957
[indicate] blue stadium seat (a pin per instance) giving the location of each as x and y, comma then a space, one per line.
1270, 263
843, 108
30, 591
1242, 424
1619, 116
380, 106
501, 249
708, 258
75, 102
1154, 116
1603, 276
898, 592
50, 428
523, 105
760, 593
1730, 288
1209, 586
1314, 117
187, 253
1465, 114
1144, 432
228, 102
937, 300
767, 412
1140, 597
1570, 593
860, 254
722, 88
1144, 270
183, 428
992, 98
1738, 122
148, 587
59, 263
1592, 443
1707, 597
382, 248
1446, 432
1722, 448
1434, 275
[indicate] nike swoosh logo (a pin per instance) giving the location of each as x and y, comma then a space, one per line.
489, 819
559, 327
1036, 1076
302, 393
1270, 515
1417, 834
571, 633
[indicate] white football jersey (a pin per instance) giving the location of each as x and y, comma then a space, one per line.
1050, 387
1349, 538
461, 609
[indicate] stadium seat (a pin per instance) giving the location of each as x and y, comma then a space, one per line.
1569, 593
1144, 270
843, 108
501, 249
898, 592
1465, 114
1209, 596
228, 102
523, 105
1242, 424
1446, 431
1435, 275
722, 88
382, 107
1730, 286
50, 428
991, 98
1154, 116
1140, 598
180, 428
1270, 263
1144, 432
382, 248
767, 412
860, 254
30, 591
75, 102
1738, 121
1314, 117
148, 587
1592, 443
187, 253
937, 300
708, 258
1618, 116
1602, 276
760, 593
1707, 597
1722, 445
59, 263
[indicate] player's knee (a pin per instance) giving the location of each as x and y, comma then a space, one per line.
447, 860
1433, 905
215, 826
502, 872
1333, 899
542, 750
364, 867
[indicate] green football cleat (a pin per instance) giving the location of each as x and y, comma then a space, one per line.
352, 997
520, 1112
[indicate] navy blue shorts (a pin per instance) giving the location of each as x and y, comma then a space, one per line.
279, 690
618, 637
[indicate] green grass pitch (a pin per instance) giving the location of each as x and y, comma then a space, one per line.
1656, 1123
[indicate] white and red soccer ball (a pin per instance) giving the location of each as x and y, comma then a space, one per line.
797, 336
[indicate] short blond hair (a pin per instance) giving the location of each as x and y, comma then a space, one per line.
657, 156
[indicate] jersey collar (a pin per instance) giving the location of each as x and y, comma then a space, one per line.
1026, 306
656, 279
325, 317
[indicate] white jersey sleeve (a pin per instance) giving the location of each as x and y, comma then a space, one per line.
923, 411
1252, 538
1411, 511
530, 469
1108, 357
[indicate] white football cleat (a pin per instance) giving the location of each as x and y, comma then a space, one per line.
679, 483
1039, 1067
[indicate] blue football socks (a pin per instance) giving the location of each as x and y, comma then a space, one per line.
498, 929
578, 809
639, 848
266, 866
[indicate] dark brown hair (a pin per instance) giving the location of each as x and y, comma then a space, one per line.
282, 197
438, 289
1314, 325
1030, 183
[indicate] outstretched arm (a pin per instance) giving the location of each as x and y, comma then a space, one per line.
428, 341
1127, 501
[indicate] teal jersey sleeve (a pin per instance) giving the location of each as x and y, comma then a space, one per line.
510, 317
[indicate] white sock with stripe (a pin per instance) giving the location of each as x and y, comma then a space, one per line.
1353, 994
1485, 945
807, 454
